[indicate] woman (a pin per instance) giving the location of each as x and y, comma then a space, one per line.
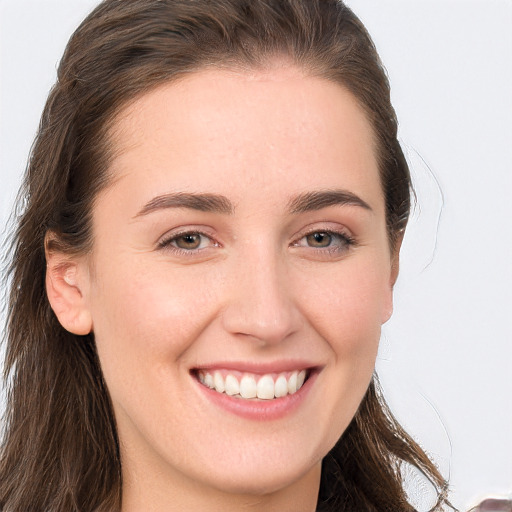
214, 209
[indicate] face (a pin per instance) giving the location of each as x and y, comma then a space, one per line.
239, 277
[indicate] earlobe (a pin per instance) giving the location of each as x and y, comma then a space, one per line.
65, 281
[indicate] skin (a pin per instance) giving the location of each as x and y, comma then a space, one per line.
257, 289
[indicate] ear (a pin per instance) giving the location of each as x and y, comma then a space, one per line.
66, 279
393, 276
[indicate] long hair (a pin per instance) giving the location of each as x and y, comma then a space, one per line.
60, 450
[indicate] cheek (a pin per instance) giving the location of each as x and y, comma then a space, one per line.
347, 307
146, 317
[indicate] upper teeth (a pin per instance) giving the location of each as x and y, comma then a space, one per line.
248, 385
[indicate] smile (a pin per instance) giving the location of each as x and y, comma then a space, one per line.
253, 386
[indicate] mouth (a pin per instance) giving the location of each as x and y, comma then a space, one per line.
253, 386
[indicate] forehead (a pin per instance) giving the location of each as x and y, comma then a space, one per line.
277, 129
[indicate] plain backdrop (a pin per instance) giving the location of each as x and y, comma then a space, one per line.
446, 355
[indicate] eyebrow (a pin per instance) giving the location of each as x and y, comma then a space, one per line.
202, 202
311, 201
215, 203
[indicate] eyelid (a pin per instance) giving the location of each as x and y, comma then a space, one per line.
345, 239
165, 242
324, 227
344, 236
346, 242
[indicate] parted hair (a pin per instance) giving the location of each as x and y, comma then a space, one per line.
60, 450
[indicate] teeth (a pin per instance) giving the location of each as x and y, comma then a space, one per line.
208, 381
248, 387
264, 387
292, 383
301, 378
218, 382
232, 386
281, 386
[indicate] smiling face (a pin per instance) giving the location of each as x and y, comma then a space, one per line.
240, 250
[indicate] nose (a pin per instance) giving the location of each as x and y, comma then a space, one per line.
262, 304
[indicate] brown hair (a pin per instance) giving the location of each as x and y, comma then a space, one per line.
60, 449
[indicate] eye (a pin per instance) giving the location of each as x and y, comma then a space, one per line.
326, 242
190, 241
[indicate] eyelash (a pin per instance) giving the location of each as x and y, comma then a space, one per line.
167, 242
345, 242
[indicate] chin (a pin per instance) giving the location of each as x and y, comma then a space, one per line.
262, 470
262, 483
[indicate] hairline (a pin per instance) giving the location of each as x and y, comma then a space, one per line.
311, 67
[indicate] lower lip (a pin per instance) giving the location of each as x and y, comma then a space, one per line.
260, 410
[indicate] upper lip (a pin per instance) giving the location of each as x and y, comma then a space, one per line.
258, 368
